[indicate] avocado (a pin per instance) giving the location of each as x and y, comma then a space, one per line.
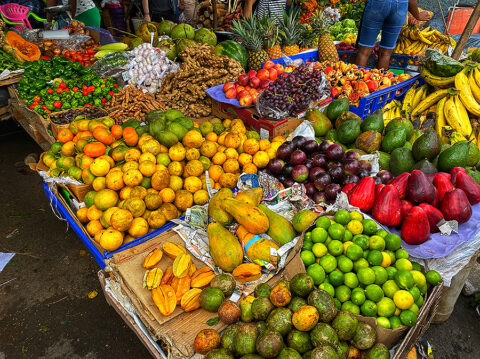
347, 116
167, 138
400, 122
156, 125
474, 174
369, 141
261, 326
177, 129
394, 139
171, 115
320, 122
296, 303
185, 122
425, 166
455, 156
401, 160
384, 161
219, 354
336, 107
473, 154
245, 338
141, 130
301, 284
373, 122
280, 320
155, 114
261, 308
407, 145
348, 132
427, 146
300, 341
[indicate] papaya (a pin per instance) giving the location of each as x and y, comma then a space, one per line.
215, 208
224, 248
258, 249
252, 218
280, 229
251, 196
303, 219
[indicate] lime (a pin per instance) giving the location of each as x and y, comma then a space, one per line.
356, 215
391, 271
408, 318
343, 293
386, 307
369, 309
361, 263
424, 289
390, 288
308, 236
416, 266
376, 242
403, 264
358, 296
335, 248
346, 245
414, 308
327, 242
307, 257
419, 278
322, 222
317, 273
351, 280
397, 311
336, 231
347, 236
327, 287
337, 303
404, 279
381, 275
419, 302
355, 226
384, 322
336, 278
342, 216
375, 258
307, 245
433, 277
387, 260
319, 249
401, 253
319, 235
403, 299
366, 276
348, 306
393, 241
361, 240
395, 322
392, 256
344, 264
329, 263
374, 292
365, 254
369, 227
354, 252
382, 233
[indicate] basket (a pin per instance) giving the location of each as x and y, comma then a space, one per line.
56, 128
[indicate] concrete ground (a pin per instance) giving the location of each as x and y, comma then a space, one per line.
44, 309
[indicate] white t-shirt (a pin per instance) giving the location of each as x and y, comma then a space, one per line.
272, 8
82, 6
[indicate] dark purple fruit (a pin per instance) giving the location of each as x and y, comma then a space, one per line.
335, 152
378, 180
322, 181
299, 141
385, 176
319, 160
350, 167
320, 197
365, 165
325, 145
287, 169
310, 189
332, 190
300, 173
363, 173
298, 157
275, 166
310, 146
350, 179
351, 155
281, 177
314, 173
285, 150
336, 173
288, 182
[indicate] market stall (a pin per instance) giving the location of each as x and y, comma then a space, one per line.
260, 196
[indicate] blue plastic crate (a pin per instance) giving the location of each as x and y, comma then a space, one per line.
100, 256
397, 61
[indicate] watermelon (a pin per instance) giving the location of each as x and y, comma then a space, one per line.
233, 50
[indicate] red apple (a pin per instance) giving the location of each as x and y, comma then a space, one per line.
254, 82
254, 96
263, 74
227, 86
273, 74
248, 87
252, 73
268, 65
243, 93
243, 80
231, 93
279, 68
240, 89
246, 100
252, 91
265, 83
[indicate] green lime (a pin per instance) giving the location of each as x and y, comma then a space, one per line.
390, 288
343, 293
308, 236
336, 278
382, 233
392, 257
414, 308
369, 227
342, 216
355, 226
317, 273
337, 303
395, 322
336, 231
345, 264
351, 280
319, 249
347, 236
365, 253
433, 277
404, 279
419, 302
322, 222
384, 322
354, 252
319, 235
376, 242
381, 275
374, 292
335, 248
391, 271
327, 242
419, 278
375, 258
401, 253
408, 318
329, 263
366, 276
327, 287
308, 245
386, 307
307, 257
416, 266
348, 306
163, 159
361, 240
403, 264
361, 263
369, 309
424, 289
393, 241
356, 215
358, 296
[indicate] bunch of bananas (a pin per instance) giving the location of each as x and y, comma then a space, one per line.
414, 41
391, 111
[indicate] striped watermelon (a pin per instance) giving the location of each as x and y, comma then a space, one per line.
233, 50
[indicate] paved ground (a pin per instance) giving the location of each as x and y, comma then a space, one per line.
45, 311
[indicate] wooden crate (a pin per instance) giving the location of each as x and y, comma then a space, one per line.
11, 79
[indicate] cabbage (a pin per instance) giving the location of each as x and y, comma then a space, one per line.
349, 23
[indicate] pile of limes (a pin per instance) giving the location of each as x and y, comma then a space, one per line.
365, 269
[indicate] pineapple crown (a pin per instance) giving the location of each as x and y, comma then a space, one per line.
290, 26
320, 23
249, 32
270, 30
307, 37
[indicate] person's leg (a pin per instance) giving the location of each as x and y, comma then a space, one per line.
90, 17
384, 58
363, 55
390, 30
372, 21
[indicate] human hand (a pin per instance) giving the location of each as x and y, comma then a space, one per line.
147, 17
423, 16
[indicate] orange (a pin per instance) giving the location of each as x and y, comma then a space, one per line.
192, 154
152, 146
136, 206
204, 183
82, 214
177, 152
87, 176
231, 153
251, 146
221, 149
147, 156
132, 178
111, 239
231, 166
98, 183
271, 152
138, 228
245, 159
261, 159
228, 180
114, 180
160, 180
280, 139
264, 144
133, 154
144, 138
93, 227
250, 168
238, 126
68, 148
192, 139
93, 213
215, 171
211, 136
175, 168
105, 199
176, 183
147, 168
233, 140
219, 158
100, 167
160, 167
138, 192
167, 195
194, 168
121, 219
192, 184
221, 138
227, 123
183, 200
107, 215
200, 197
208, 149
109, 159
130, 165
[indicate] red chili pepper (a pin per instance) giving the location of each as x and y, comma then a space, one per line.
44, 107
50, 91
115, 85
84, 93
91, 88
37, 98
67, 90
32, 106
75, 89
87, 104
103, 101
57, 104
110, 93
59, 90
62, 85
84, 87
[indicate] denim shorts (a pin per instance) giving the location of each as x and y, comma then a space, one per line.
386, 15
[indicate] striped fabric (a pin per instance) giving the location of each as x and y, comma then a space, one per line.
272, 8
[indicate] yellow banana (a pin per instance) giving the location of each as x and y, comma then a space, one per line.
419, 95
441, 123
466, 129
407, 41
431, 100
437, 81
474, 87
414, 34
456, 118
453, 43
462, 84
476, 75
424, 39
408, 100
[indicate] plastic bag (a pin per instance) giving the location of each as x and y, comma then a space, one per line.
111, 64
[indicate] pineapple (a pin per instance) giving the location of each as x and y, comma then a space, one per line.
326, 48
271, 36
290, 31
249, 32
307, 39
